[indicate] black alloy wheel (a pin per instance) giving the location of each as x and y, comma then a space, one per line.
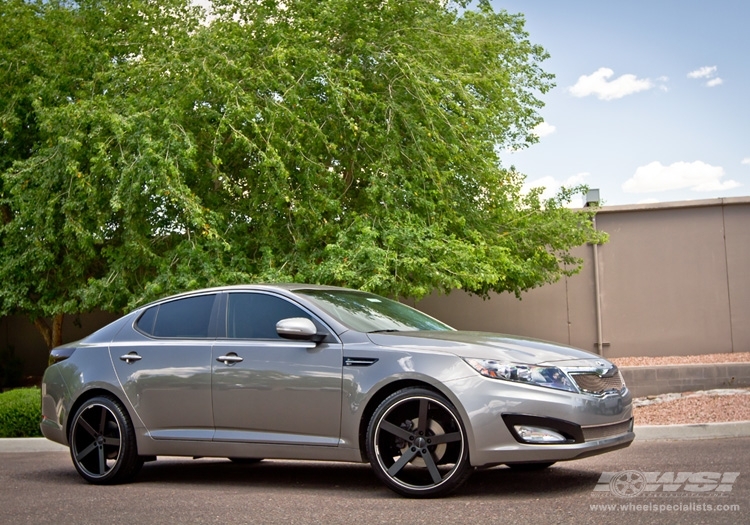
102, 442
416, 444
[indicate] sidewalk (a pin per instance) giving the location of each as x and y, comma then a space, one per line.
642, 433
29, 445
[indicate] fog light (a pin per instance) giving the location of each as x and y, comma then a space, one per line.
538, 434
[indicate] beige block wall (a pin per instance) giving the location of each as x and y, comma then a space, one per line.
664, 282
674, 279
737, 224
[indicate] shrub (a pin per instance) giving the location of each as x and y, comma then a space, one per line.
20, 412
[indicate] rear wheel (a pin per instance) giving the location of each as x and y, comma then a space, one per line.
102, 442
416, 444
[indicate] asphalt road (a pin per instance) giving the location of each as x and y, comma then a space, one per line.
38, 488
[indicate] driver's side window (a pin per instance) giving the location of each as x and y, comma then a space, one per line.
254, 315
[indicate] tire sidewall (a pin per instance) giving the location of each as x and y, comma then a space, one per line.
128, 462
461, 471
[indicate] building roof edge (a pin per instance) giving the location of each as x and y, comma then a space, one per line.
702, 203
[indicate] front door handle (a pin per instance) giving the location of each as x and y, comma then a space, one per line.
130, 358
229, 359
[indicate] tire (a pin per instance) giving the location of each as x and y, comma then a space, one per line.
102, 442
530, 467
416, 444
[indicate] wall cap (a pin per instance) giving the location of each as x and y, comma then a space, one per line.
699, 203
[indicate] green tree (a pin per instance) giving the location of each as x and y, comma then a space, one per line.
92, 195
352, 142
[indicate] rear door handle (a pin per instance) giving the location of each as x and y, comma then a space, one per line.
229, 359
130, 358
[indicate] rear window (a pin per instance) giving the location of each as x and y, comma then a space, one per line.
189, 317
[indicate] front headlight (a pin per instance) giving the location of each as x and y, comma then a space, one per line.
546, 376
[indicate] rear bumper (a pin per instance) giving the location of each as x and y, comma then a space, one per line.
53, 431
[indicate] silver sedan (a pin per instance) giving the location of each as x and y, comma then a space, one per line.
312, 372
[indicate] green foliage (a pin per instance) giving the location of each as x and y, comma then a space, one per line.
20, 412
146, 150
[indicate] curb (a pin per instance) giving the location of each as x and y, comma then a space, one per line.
732, 429
694, 431
656, 380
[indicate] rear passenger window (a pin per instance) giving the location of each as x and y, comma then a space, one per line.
189, 317
254, 315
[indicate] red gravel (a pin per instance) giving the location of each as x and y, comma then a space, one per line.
700, 407
737, 357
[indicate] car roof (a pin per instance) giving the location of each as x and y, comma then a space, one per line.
287, 287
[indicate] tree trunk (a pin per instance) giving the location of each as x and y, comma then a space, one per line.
52, 334
57, 325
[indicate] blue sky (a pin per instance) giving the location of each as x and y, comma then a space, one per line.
651, 98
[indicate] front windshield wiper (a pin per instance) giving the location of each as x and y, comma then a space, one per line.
385, 330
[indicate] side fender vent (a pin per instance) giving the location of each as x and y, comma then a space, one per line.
359, 361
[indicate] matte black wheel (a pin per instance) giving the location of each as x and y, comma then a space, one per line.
102, 442
530, 467
416, 444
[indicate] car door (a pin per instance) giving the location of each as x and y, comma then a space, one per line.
267, 389
164, 366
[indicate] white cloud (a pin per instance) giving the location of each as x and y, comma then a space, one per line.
551, 185
709, 73
543, 129
746, 160
598, 84
698, 176
703, 72
662, 81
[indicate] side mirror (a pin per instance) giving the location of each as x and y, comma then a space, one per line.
298, 328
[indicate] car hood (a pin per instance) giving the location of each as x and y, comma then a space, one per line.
483, 345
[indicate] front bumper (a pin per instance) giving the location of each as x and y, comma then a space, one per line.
590, 424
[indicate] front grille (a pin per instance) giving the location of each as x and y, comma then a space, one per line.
597, 432
593, 383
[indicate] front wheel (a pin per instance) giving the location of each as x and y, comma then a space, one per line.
416, 444
102, 442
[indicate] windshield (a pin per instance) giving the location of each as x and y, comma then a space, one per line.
366, 312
